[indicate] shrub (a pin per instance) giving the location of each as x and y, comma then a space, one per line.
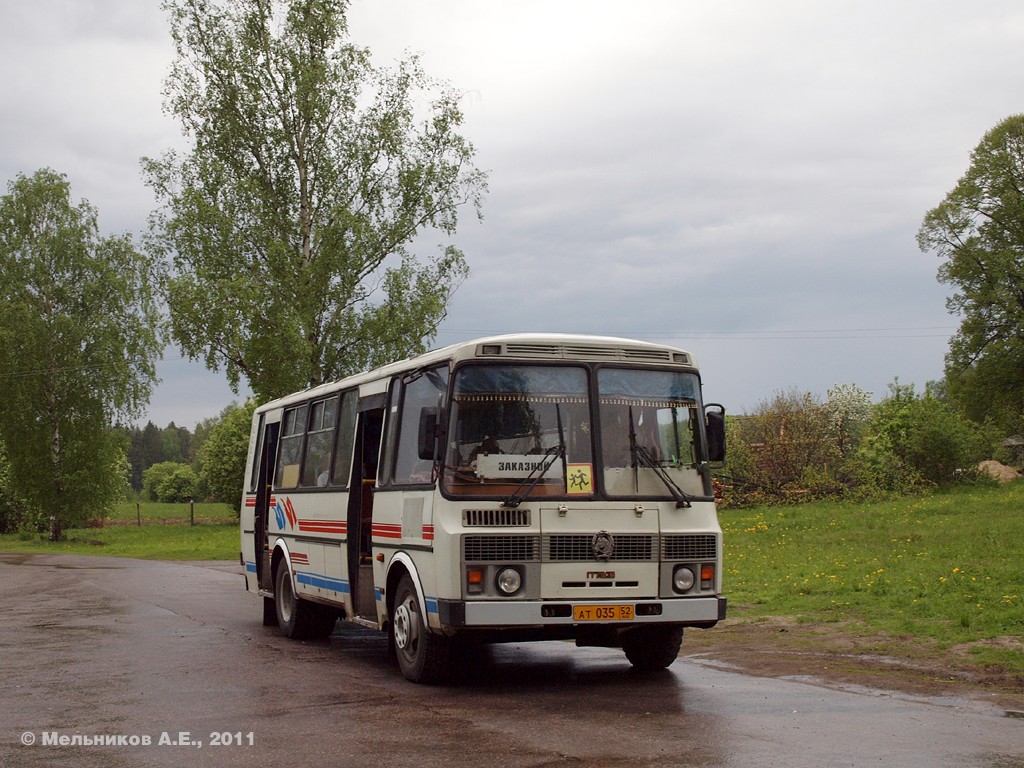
914, 439
178, 485
166, 482
785, 442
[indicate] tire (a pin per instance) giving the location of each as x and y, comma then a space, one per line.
652, 648
300, 619
423, 656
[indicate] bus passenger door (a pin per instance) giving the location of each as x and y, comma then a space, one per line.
264, 494
360, 510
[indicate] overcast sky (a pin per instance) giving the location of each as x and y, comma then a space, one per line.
741, 179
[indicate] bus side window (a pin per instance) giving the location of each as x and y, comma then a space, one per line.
316, 464
290, 448
420, 393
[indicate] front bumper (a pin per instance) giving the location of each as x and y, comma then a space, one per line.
691, 611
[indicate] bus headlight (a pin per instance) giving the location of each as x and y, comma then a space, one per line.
682, 579
509, 581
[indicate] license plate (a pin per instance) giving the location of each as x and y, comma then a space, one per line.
602, 613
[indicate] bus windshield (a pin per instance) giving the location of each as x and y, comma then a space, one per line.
514, 426
648, 422
519, 431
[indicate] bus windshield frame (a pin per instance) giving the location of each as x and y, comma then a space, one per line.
521, 431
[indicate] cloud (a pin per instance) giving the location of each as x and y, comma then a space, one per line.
744, 179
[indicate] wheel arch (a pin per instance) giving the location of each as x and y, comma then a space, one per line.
279, 555
400, 565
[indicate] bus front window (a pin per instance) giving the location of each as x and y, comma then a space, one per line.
648, 436
518, 426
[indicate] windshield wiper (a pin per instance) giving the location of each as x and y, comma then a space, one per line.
551, 455
642, 457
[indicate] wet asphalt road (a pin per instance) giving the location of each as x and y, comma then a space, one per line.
136, 652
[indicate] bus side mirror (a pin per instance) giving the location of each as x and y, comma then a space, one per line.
714, 424
428, 433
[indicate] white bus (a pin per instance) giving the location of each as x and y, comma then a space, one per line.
521, 487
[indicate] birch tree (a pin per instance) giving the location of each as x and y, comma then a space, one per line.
293, 226
78, 345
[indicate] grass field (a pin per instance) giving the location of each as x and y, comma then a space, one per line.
165, 534
948, 567
150, 512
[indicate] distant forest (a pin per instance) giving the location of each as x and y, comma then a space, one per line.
151, 445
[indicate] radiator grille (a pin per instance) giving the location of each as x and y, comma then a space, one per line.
507, 518
494, 549
700, 546
579, 547
570, 547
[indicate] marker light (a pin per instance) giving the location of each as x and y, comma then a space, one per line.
707, 576
474, 580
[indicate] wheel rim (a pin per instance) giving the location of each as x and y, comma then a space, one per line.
407, 628
285, 598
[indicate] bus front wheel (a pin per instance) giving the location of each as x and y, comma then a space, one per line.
422, 655
650, 648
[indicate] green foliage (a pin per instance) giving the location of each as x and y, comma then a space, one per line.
77, 349
794, 449
169, 481
944, 566
978, 231
14, 512
223, 454
918, 439
286, 228
777, 448
152, 445
179, 485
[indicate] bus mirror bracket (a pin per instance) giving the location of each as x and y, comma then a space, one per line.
714, 425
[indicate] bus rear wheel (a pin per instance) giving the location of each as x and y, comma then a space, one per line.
300, 619
651, 648
422, 655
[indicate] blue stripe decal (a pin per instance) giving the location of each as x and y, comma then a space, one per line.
250, 567
323, 582
431, 604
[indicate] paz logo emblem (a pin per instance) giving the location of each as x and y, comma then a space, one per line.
603, 545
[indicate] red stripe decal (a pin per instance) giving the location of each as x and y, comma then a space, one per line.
385, 531
324, 526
